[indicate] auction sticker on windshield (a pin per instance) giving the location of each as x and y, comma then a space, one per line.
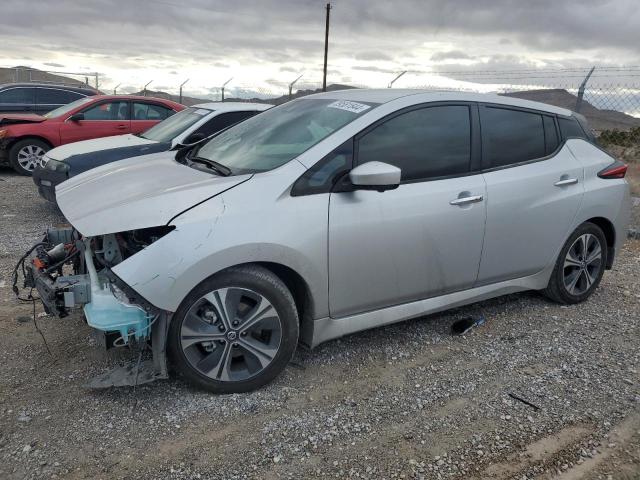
354, 107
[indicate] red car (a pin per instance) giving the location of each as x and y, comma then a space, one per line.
25, 138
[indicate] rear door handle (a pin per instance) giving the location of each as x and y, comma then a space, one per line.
121, 127
466, 200
566, 181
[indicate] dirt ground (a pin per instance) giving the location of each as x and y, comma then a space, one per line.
406, 401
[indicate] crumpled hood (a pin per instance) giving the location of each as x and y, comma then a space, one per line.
86, 146
135, 193
14, 118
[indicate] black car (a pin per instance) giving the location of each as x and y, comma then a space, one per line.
39, 98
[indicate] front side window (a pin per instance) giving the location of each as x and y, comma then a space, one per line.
173, 126
108, 111
65, 109
426, 143
18, 95
150, 111
280, 134
511, 136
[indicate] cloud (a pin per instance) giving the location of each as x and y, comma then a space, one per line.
450, 55
372, 55
261, 39
53, 64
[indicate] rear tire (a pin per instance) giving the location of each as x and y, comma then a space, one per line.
26, 154
235, 331
579, 267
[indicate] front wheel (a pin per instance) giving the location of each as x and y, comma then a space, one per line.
234, 332
26, 154
580, 265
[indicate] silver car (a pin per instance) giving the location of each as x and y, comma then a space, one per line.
328, 215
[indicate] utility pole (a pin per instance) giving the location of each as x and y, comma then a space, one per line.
224, 85
291, 86
115, 89
144, 89
393, 81
326, 49
182, 85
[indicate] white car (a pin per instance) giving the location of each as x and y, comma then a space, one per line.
332, 214
184, 128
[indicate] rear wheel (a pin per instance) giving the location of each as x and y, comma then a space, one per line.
580, 265
26, 154
234, 332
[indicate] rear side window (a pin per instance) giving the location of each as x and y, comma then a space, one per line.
223, 121
511, 136
427, 143
150, 111
51, 96
18, 95
570, 128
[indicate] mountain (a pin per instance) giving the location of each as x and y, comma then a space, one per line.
599, 119
26, 74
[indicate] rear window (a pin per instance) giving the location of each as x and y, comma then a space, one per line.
511, 136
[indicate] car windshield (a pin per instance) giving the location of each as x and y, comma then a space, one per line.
63, 110
173, 126
280, 134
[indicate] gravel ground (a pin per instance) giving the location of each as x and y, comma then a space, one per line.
406, 401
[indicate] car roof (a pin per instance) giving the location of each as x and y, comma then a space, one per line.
84, 88
384, 95
233, 106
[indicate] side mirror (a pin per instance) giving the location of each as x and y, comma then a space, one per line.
76, 117
375, 176
194, 138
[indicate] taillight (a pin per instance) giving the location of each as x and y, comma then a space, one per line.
616, 170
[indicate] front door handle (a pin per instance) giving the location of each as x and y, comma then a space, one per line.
466, 200
566, 181
121, 127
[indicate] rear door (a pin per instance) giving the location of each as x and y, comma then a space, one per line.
534, 190
422, 239
146, 114
104, 119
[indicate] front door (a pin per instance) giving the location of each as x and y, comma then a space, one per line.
102, 120
422, 239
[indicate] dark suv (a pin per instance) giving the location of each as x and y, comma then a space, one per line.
39, 98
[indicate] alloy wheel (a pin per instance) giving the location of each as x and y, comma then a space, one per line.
30, 156
582, 264
231, 334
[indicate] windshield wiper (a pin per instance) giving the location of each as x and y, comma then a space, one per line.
218, 167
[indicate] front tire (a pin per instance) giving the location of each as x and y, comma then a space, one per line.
26, 154
235, 331
580, 266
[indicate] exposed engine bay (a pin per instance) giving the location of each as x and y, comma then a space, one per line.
72, 272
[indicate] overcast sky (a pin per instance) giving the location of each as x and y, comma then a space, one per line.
268, 43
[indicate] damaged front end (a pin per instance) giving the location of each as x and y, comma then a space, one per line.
72, 272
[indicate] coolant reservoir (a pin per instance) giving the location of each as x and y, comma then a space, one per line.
107, 313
